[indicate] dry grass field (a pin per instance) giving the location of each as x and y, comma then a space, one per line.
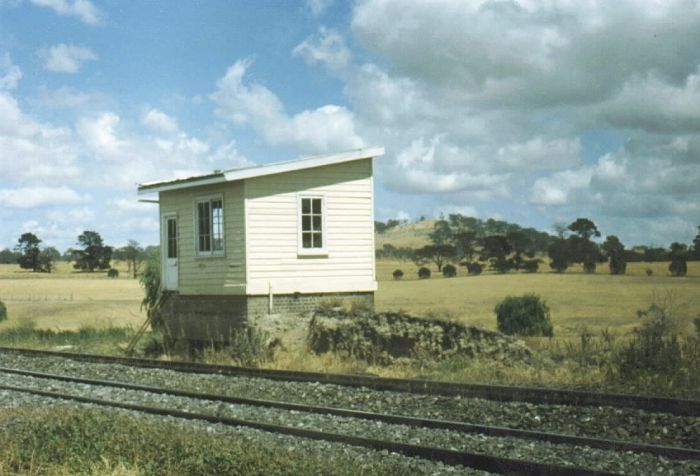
69, 300
576, 300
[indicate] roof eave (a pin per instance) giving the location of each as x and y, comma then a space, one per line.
302, 164
144, 189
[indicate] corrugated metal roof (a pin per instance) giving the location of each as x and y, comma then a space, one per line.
259, 170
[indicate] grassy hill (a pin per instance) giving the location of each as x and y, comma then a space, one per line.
410, 235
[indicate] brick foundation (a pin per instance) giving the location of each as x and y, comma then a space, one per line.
215, 318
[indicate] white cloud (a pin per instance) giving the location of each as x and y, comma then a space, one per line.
540, 153
30, 150
227, 157
327, 128
653, 104
67, 97
561, 187
75, 216
64, 58
100, 135
83, 9
318, 7
159, 121
328, 49
10, 74
32, 197
421, 168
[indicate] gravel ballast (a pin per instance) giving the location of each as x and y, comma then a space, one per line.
358, 457
597, 422
624, 463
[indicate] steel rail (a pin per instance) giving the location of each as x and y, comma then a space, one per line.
483, 462
681, 407
671, 452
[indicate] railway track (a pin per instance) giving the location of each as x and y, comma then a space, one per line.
472, 459
682, 407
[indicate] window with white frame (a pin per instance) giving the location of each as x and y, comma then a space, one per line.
209, 226
311, 230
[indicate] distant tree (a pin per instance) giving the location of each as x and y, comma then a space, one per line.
584, 228
423, 273
28, 249
465, 243
559, 255
521, 245
495, 250
134, 255
583, 250
94, 255
614, 250
655, 254
442, 233
438, 254
7, 256
696, 245
47, 259
679, 259
474, 268
560, 228
449, 271
530, 265
397, 274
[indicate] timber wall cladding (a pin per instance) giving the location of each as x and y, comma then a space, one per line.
271, 232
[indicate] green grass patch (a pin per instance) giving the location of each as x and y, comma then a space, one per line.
86, 339
90, 442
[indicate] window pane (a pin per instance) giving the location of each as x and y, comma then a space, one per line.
305, 223
217, 225
305, 205
306, 240
204, 229
317, 223
317, 206
318, 240
172, 238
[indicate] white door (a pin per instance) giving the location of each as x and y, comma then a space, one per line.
170, 253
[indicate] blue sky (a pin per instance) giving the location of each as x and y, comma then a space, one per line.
529, 111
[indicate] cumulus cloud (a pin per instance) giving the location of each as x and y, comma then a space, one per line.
159, 121
327, 128
665, 107
64, 58
10, 74
32, 150
328, 49
33, 197
100, 135
318, 7
67, 97
419, 169
83, 9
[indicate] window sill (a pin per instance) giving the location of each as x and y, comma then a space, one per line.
312, 253
210, 256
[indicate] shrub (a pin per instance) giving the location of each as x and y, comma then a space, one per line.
654, 347
112, 273
531, 266
678, 267
526, 315
649, 271
397, 274
474, 268
449, 271
423, 273
3, 311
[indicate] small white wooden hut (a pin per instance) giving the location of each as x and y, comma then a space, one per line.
268, 238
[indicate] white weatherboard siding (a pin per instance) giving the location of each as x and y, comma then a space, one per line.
273, 262
209, 275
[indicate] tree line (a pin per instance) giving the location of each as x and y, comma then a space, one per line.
91, 254
505, 247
